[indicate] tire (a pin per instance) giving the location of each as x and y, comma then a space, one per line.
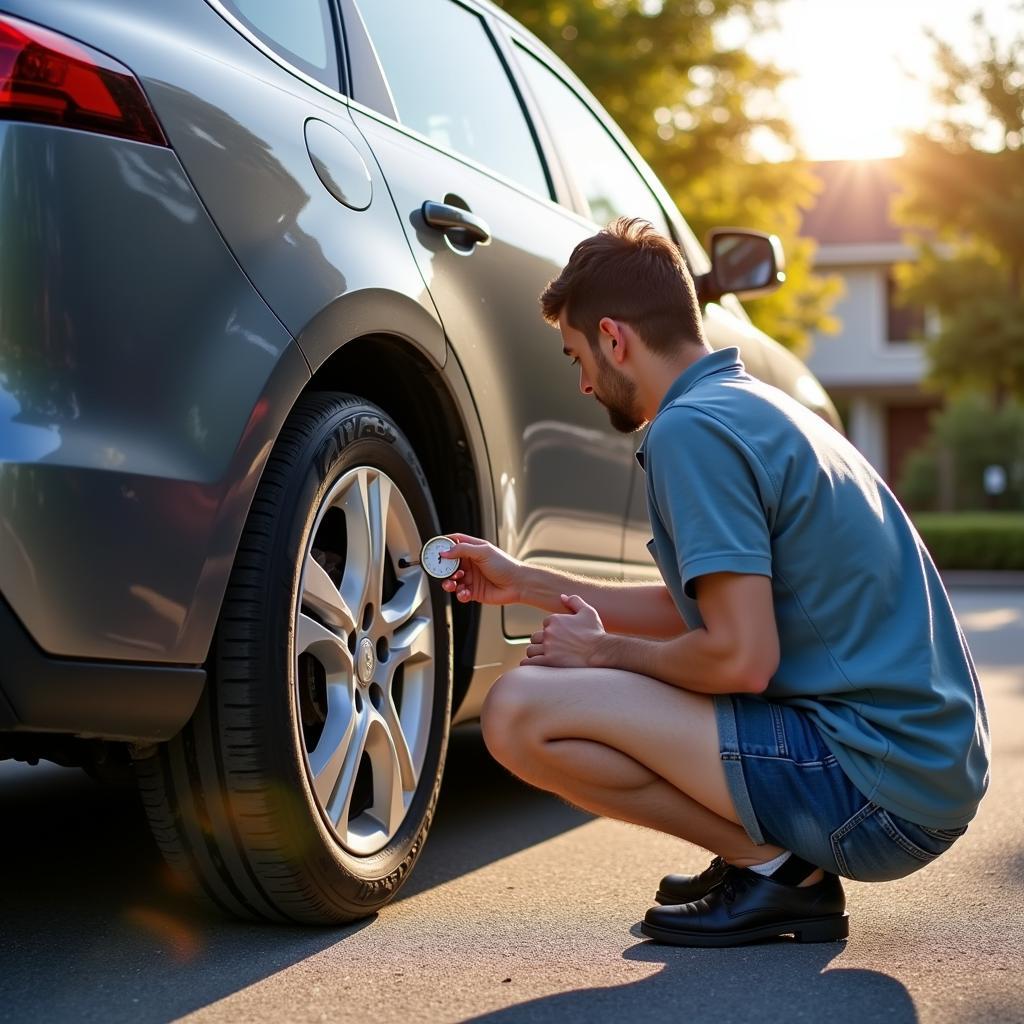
289, 795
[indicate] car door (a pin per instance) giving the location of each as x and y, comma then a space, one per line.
457, 136
611, 180
608, 184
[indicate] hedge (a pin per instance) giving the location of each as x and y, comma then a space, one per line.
973, 540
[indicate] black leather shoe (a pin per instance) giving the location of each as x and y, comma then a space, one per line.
747, 907
687, 888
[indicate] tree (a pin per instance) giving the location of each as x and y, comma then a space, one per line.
964, 186
692, 108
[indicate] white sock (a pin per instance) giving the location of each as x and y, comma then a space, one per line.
769, 866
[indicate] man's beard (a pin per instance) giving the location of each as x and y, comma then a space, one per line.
617, 393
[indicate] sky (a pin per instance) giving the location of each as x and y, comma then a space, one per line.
852, 92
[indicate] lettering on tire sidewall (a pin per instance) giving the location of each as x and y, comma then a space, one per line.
352, 428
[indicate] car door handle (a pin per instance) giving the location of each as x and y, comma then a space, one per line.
445, 217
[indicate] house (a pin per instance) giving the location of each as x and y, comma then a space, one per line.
872, 368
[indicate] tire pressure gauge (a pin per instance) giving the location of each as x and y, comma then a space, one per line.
432, 562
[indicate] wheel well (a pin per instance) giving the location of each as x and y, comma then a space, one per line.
403, 383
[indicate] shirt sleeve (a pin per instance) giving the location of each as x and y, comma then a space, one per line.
712, 493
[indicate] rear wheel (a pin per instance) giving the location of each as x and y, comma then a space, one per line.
304, 786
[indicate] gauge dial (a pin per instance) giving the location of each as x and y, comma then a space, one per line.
432, 562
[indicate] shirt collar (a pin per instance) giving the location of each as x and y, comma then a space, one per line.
725, 360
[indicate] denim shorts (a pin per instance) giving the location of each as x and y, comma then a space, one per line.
790, 791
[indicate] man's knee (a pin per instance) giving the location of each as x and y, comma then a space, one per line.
509, 716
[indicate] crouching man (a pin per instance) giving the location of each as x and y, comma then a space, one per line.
797, 698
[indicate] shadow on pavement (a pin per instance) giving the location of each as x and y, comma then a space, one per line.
483, 815
94, 928
778, 981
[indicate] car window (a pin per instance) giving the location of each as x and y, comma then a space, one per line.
449, 83
612, 186
301, 31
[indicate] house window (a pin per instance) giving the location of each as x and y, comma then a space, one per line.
903, 323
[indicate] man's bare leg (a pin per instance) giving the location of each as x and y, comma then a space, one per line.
622, 746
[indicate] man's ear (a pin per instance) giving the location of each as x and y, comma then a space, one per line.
616, 344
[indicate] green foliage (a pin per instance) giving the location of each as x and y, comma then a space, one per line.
918, 486
990, 541
980, 344
964, 186
969, 435
691, 108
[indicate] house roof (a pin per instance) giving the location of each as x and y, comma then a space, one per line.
853, 206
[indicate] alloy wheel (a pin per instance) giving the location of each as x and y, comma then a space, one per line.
364, 659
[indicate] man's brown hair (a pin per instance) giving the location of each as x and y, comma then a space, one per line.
629, 272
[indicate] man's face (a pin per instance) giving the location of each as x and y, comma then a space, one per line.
600, 378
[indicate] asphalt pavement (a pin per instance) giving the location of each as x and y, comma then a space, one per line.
521, 909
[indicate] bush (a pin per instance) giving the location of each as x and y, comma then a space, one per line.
968, 436
919, 483
977, 540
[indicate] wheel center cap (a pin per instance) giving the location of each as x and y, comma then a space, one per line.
366, 660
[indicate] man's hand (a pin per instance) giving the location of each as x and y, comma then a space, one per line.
486, 574
567, 640
489, 575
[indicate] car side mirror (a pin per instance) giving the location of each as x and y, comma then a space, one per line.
745, 263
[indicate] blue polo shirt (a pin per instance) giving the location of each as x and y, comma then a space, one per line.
742, 478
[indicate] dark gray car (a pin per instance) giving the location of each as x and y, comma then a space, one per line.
268, 321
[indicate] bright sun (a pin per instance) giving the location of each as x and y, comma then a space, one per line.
861, 70
860, 115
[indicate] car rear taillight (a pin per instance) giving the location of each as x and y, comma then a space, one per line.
48, 78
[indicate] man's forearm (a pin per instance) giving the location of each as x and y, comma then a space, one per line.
639, 610
696, 661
